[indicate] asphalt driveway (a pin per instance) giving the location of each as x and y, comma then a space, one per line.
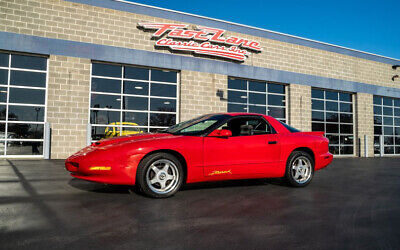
353, 204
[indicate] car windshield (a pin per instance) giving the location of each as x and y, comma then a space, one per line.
196, 126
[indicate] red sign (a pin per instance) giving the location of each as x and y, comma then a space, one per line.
203, 40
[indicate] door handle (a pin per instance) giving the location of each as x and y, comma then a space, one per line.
272, 142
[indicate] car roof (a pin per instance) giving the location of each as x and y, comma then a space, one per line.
240, 114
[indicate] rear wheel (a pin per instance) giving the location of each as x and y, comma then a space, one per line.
299, 169
160, 175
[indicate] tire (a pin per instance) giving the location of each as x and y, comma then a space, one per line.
159, 175
299, 169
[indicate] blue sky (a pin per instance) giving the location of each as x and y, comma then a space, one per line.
370, 25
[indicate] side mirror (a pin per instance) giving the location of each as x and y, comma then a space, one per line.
220, 133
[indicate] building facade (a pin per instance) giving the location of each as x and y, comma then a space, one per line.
76, 71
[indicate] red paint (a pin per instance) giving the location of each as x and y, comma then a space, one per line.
230, 47
208, 158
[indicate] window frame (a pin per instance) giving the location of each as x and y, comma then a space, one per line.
382, 125
259, 117
266, 93
121, 94
339, 134
7, 103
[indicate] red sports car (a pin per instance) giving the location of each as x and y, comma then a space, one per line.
208, 148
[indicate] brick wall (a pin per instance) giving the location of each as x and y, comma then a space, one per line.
364, 122
68, 103
198, 94
85, 23
300, 107
69, 78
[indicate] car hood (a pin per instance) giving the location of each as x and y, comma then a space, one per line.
132, 138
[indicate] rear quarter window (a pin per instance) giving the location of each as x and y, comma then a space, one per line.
291, 129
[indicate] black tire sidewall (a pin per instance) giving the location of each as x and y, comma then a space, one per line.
288, 176
142, 170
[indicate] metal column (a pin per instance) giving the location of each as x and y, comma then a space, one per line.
88, 134
47, 140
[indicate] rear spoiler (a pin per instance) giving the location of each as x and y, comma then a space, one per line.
316, 133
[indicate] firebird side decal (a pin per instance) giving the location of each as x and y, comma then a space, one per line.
216, 172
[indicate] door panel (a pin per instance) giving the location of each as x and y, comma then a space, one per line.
238, 156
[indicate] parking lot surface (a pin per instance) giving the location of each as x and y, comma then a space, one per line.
352, 204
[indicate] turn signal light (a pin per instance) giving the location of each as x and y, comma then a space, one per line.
100, 168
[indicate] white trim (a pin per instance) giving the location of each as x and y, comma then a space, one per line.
21, 69
25, 140
21, 156
22, 122
25, 87
132, 111
26, 104
122, 99
124, 126
132, 95
178, 100
252, 27
7, 104
258, 92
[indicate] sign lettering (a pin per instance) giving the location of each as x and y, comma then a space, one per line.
203, 40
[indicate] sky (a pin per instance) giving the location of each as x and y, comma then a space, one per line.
371, 25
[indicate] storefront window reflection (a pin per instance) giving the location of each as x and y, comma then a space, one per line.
257, 97
387, 124
332, 112
22, 104
130, 100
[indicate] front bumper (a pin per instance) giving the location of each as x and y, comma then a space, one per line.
102, 167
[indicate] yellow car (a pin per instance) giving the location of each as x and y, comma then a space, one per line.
115, 131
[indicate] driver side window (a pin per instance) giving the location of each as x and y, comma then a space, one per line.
246, 126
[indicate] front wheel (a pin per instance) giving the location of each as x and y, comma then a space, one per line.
160, 175
299, 169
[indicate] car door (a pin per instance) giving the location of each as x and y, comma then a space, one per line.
253, 149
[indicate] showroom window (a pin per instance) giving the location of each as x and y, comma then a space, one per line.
257, 97
387, 123
23, 80
129, 100
332, 112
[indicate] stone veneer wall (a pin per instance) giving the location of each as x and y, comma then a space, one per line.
299, 106
198, 94
364, 122
68, 104
85, 23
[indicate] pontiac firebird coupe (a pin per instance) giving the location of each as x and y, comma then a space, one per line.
212, 147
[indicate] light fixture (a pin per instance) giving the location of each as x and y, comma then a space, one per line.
138, 87
167, 103
243, 96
